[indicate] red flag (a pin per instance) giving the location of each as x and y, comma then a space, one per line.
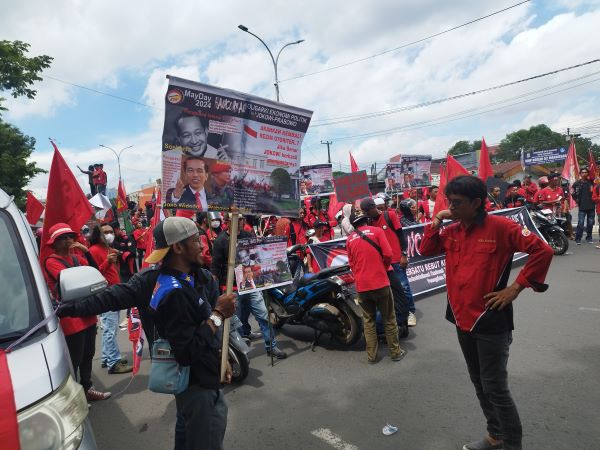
156, 219
121, 199
454, 168
485, 166
440, 201
9, 427
353, 165
136, 336
570, 170
65, 201
34, 209
593, 167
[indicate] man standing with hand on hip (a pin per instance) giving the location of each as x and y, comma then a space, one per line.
479, 250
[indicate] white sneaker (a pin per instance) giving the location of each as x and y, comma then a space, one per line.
412, 319
124, 323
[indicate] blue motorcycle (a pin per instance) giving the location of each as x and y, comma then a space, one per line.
321, 301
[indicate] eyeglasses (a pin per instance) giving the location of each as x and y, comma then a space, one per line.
456, 202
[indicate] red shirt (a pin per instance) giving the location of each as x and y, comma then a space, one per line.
390, 233
530, 190
311, 218
53, 266
550, 195
596, 197
108, 270
102, 177
477, 262
96, 176
367, 265
300, 228
139, 234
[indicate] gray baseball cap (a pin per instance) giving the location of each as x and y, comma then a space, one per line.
169, 232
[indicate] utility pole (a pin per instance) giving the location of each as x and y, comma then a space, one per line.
328, 143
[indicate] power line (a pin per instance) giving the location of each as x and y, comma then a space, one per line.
405, 45
352, 118
457, 116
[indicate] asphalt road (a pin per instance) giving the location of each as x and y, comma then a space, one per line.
332, 398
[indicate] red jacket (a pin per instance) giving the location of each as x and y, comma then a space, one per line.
478, 261
140, 234
367, 265
109, 270
53, 266
530, 190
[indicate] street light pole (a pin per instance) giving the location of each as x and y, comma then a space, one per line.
275, 60
118, 155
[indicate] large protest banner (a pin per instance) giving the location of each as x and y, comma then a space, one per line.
412, 171
425, 274
261, 263
545, 156
317, 179
224, 149
351, 186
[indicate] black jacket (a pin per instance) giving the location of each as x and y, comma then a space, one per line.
180, 318
220, 252
137, 292
582, 194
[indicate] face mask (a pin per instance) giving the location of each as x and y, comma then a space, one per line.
215, 223
109, 238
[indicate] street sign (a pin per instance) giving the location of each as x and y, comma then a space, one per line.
545, 156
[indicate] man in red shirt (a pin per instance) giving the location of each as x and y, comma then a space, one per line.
552, 196
479, 250
390, 224
107, 260
317, 214
139, 235
369, 256
529, 189
102, 179
80, 332
426, 206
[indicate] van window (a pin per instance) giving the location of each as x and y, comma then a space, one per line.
19, 307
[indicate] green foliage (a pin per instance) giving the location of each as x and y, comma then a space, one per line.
17, 71
15, 170
464, 147
281, 182
538, 137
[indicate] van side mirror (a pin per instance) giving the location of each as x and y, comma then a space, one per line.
79, 282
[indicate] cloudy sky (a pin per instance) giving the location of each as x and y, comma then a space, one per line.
107, 52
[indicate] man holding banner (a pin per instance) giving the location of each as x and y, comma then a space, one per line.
479, 250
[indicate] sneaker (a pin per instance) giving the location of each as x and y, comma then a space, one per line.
402, 331
253, 336
399, 356
124, 323
277, 353
120, 367
105, 364
589, 241
578, 242
93, 395
412, 319
483, 444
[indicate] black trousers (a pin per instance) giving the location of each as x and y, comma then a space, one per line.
487, 357
82, 347
400, 299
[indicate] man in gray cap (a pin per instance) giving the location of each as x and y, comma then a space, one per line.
193, 328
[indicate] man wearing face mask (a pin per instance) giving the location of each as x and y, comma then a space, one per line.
106, 259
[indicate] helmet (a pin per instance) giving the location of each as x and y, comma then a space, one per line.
543, 180
214, 216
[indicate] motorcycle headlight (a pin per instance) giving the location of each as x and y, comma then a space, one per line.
57, 421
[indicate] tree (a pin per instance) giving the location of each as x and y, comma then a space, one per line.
464, 147
15, 170
281, 182
538, 137
17, 71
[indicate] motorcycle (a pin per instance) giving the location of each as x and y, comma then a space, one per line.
551, 227
321, 301
238, 352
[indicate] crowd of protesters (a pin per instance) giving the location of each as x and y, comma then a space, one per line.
377, 254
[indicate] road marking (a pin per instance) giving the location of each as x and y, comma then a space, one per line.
328, 436
583, 308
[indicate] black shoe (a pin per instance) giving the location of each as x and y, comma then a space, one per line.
402, 331
277, 353
253, 336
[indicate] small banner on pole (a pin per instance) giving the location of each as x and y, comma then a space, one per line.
352, 186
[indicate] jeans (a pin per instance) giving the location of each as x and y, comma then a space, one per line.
82, 347
370, 302
486, 356
400, 300
204, 413
255, 304
581, 218
110, 348
406, 285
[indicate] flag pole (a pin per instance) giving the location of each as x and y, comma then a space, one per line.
233, 235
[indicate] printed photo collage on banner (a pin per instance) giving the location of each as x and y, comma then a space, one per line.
317, 179
224, 149
412, 171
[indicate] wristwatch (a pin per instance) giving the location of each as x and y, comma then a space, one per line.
216, 320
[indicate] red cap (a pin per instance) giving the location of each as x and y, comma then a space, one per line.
220, 167
59, 229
